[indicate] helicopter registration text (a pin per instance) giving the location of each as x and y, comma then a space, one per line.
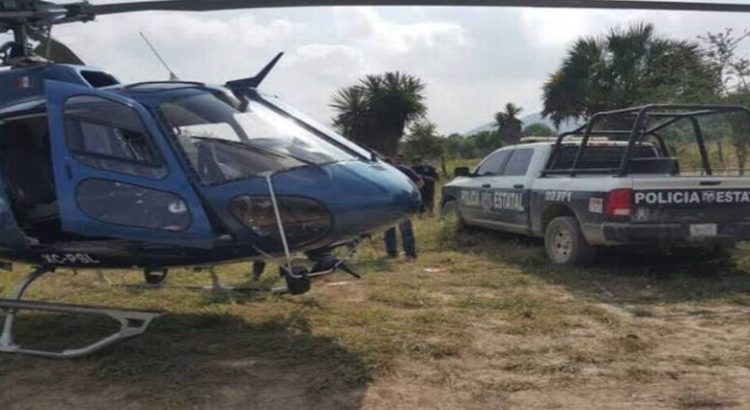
69, 259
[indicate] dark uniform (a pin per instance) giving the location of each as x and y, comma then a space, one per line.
430, 176
407, 233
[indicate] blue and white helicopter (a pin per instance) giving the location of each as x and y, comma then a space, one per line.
100, 175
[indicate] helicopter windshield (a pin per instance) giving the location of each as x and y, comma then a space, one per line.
226, 139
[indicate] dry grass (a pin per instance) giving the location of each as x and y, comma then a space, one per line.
481, 320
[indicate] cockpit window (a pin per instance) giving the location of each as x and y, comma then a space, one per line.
311, 122
226, 139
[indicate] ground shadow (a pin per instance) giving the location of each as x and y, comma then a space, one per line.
187, 361
635, 275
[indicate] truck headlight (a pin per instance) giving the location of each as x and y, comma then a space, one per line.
305, 220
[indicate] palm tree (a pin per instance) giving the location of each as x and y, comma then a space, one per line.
376, 110
624, 68
353, 108
509, 126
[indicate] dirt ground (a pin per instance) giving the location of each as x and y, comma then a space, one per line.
481, 321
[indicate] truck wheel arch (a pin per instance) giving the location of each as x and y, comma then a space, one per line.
444, 200
553, 211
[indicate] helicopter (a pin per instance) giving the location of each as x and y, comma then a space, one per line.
96, 174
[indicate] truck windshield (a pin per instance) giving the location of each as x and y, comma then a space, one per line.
226, 139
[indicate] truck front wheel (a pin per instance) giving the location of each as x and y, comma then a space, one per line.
450, 210
565, 244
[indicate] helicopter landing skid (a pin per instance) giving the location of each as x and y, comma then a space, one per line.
132, 322
216, 286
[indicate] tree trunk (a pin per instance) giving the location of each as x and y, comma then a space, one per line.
741, 159
740, 131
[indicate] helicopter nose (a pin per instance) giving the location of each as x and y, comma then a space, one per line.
383, 196
361, 196
320, 205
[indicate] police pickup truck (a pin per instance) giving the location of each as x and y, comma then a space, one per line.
604, 186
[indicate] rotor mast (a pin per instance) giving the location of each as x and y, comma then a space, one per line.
33, 20
21, 41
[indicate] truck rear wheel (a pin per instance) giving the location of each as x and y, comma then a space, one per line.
720, 251
565, 244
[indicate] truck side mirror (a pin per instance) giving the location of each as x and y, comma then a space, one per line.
462, 172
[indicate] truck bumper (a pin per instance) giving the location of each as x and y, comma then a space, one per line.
667, 234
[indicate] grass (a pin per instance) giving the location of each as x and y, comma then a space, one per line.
479, 318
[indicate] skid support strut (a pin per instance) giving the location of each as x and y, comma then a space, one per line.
132, 322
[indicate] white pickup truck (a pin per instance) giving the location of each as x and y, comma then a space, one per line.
610, 187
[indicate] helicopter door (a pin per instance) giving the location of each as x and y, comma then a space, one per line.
115, 175
11, 235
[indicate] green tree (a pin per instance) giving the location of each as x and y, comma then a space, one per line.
376, 110
624, 68
508, 125
733, 69
353, 119
538, 129
459, 146
423, 141
486, 142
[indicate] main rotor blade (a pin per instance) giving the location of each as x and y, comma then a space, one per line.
212, 5
54, 50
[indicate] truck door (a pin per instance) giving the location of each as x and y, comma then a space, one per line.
115, 174
476, 192
509, 203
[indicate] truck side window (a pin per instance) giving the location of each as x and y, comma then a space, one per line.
518, 162
109, 135
493, 164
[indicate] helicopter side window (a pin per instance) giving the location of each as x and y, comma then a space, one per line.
132, 205
109, 135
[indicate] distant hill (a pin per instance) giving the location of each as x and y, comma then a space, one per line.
528, 120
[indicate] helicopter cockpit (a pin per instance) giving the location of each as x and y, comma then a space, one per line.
226, 139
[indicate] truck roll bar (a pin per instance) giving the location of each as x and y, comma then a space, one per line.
639, 131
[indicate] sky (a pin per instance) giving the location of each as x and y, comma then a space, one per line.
473, 60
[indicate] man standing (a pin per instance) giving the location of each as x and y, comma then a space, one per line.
407, 232
429, 175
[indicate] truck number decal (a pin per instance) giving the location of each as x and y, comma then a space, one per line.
558, 196
69, 258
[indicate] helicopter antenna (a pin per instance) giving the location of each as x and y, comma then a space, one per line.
172, 75
254, 82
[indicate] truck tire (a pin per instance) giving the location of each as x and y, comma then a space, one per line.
450, 210
720, 251
565, 244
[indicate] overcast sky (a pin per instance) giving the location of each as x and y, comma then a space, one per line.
474, 60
